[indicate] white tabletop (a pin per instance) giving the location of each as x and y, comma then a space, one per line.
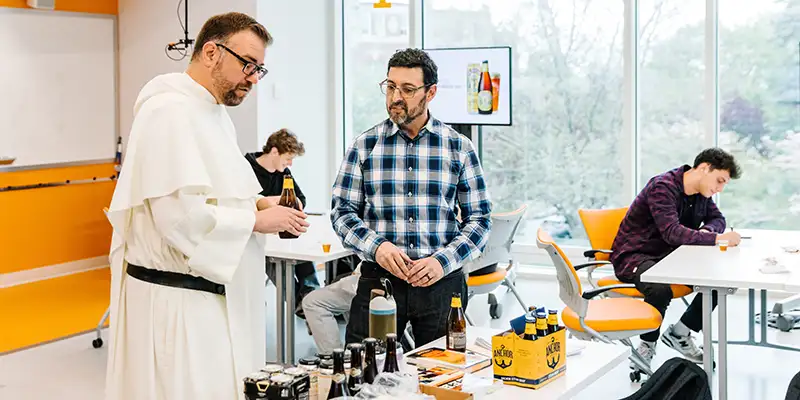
308, 247
738, 267
583, 369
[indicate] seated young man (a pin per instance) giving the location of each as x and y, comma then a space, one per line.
674, 209
270, 165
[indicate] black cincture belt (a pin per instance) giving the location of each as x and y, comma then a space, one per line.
175, 279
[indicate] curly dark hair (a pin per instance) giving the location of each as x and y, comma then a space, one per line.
416, 58
286, 142
717, 158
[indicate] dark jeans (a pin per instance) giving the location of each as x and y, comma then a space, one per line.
305, 278
659, 295
426, 308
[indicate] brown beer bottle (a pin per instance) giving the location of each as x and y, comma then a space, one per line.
390, 363
370, 360
356, 378
552, 321
456, 326
339, 379
485, 90
530, 328
541, 324
288, 199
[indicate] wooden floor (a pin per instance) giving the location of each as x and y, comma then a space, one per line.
52, 309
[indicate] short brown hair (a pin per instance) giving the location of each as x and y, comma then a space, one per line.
286, 142
220, 28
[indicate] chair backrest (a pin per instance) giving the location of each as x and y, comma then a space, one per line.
793, 393
501, 237
570, 290
601, 227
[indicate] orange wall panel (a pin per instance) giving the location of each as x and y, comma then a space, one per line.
87, 6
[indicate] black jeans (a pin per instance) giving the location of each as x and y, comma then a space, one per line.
426, 308
659, 295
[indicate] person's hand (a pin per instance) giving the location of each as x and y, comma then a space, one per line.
425, 272
393, 260
732, 237
279, 219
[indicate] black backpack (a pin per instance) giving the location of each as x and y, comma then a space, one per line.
794, 388
676, 379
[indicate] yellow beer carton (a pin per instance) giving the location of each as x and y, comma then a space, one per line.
528, 363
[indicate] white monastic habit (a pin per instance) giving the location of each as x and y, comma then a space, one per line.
185, 202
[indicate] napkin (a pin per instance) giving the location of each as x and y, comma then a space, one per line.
773, 265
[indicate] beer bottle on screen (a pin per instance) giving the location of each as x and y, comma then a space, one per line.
390, 363
338, 379
288, 199
456, 326
485, 90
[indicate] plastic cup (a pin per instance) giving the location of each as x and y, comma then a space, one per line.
326, 247
723, 245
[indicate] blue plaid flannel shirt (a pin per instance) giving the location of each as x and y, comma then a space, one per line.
392, 188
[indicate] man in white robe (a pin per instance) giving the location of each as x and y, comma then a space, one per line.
187, 202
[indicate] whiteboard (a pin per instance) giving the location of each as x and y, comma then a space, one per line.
58, 100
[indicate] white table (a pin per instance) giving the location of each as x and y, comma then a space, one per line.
583, 369
308, 247
708, 269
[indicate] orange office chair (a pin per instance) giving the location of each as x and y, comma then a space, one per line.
497, 251
601, 227
605, 319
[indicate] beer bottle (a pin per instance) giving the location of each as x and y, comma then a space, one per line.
390, 363
552, 321
541, 324
338, 380
456, 326
530, 328
485, 90
356, 378
370, 360
288, 199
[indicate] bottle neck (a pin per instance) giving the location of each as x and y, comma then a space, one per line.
530, 327
338, 364
288, 183
456, 302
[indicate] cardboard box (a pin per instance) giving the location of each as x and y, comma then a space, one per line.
445, 394
526, 363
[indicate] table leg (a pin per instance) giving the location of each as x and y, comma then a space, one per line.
763, 339
722, 318
280, 318
288, 289
708, 350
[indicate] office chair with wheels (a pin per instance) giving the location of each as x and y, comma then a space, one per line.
601, 228
588, 316
497, 251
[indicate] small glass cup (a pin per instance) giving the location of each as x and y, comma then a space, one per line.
326, 247
723, 245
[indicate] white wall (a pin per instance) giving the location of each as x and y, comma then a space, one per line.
145, 28
299, 91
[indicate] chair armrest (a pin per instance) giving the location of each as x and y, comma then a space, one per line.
589, 294
591, 264
594, 252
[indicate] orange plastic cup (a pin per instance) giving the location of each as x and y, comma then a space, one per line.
723, 245
326, 247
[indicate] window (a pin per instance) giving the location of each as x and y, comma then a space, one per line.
371, 36
561, 153
759, 120
671, 70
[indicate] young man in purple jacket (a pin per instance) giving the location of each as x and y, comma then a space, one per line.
674, 209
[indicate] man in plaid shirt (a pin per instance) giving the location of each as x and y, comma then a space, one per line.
395, 204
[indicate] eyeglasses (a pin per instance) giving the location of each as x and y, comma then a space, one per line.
248, 67
406, 92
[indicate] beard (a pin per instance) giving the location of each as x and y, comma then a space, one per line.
401, 115
227, 89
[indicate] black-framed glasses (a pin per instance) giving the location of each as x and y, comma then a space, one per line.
406, 92
248, 68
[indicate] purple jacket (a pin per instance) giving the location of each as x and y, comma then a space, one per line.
662, 218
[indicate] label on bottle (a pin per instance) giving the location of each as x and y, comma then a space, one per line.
288, 183
541, 324
458, 340
485, 100
530, 328
338, 378
456, 302
355, 372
